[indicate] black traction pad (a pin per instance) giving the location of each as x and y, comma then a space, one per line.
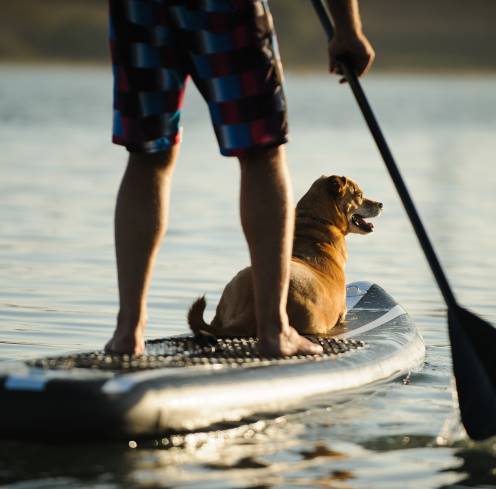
189, 351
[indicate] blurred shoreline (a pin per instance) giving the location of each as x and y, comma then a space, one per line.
445, 36
317, 70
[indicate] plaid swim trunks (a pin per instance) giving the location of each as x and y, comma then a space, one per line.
228, 48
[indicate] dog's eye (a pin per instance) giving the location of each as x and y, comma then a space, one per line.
359, 195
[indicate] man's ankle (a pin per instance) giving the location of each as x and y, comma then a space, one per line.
273, 326
131, 320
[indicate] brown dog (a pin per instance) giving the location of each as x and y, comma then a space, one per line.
333, 207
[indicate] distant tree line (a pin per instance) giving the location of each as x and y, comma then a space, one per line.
407, 35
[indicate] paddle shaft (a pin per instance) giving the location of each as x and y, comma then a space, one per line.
391, 165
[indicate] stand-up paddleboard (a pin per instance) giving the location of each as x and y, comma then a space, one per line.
185, 384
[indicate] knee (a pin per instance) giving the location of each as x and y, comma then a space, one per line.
272, 157
161, 161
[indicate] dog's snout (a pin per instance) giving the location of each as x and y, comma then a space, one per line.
380, 205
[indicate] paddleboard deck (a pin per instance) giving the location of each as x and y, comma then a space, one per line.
184, 383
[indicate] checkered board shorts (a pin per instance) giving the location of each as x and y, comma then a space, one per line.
229, 49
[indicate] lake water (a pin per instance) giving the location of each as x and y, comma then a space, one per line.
59, 175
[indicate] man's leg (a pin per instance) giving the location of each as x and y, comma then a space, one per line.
267, 217
140, 223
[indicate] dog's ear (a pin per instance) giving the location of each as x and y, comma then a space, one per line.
337, 185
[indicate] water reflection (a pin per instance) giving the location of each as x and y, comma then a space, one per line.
288, 451
57, 277
477, 465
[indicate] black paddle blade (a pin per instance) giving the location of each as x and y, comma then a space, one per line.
473, 348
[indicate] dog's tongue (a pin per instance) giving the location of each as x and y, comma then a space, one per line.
366, 226
362, 224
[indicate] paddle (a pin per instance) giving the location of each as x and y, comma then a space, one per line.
473, 340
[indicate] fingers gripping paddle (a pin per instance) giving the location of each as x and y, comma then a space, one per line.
473, 340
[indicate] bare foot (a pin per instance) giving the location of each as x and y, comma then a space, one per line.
287, 343
121, 344
129, 335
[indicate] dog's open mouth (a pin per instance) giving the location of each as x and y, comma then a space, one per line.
361, 223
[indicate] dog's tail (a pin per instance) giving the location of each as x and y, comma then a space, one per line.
195, 316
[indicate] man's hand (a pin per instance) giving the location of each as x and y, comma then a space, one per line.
355, 49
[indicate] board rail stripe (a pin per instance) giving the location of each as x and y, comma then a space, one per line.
393, 313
